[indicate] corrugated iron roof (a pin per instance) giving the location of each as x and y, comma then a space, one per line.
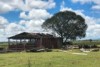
26, 35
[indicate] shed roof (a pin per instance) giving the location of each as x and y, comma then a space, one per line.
26, 35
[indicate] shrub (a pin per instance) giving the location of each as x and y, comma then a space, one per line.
33, 50
48, 50
94, 46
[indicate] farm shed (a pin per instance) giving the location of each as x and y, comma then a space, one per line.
28, 41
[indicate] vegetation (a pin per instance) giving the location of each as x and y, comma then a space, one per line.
50, 59
86, 42
76, 42
3, 44
56, 58
67, 25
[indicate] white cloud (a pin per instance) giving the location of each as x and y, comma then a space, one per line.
42, 4
14, 28
10, 30
81, 1
93, 29
34, 19
96, 5
9, 5
5, 7
32, 25
23, 15
96, 1
35, 14
3, 22
86, 1
39, 14
22, 22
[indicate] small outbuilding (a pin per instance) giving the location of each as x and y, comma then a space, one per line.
28, 41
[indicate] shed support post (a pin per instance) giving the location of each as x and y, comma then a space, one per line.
8, 43
41, 42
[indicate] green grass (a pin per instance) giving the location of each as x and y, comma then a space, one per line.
50, 59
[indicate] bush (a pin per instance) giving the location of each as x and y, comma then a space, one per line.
40, 50
33, 50
95, 50
48, 50
1, 48
68, 43
94, 46
84, 46
88, 46
80, 46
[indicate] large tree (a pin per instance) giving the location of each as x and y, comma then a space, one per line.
67, 25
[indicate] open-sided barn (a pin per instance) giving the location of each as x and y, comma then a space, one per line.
28, 41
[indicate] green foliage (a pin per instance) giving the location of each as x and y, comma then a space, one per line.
86, 42
3, 44
66, 24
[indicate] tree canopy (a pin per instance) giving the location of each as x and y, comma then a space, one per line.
67, 25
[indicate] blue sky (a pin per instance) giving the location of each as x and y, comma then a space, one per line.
17, 16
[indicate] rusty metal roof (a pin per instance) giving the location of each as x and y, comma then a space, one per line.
26, 35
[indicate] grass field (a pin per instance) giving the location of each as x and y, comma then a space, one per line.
50, 59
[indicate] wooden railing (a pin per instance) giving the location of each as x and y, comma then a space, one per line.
21, 47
